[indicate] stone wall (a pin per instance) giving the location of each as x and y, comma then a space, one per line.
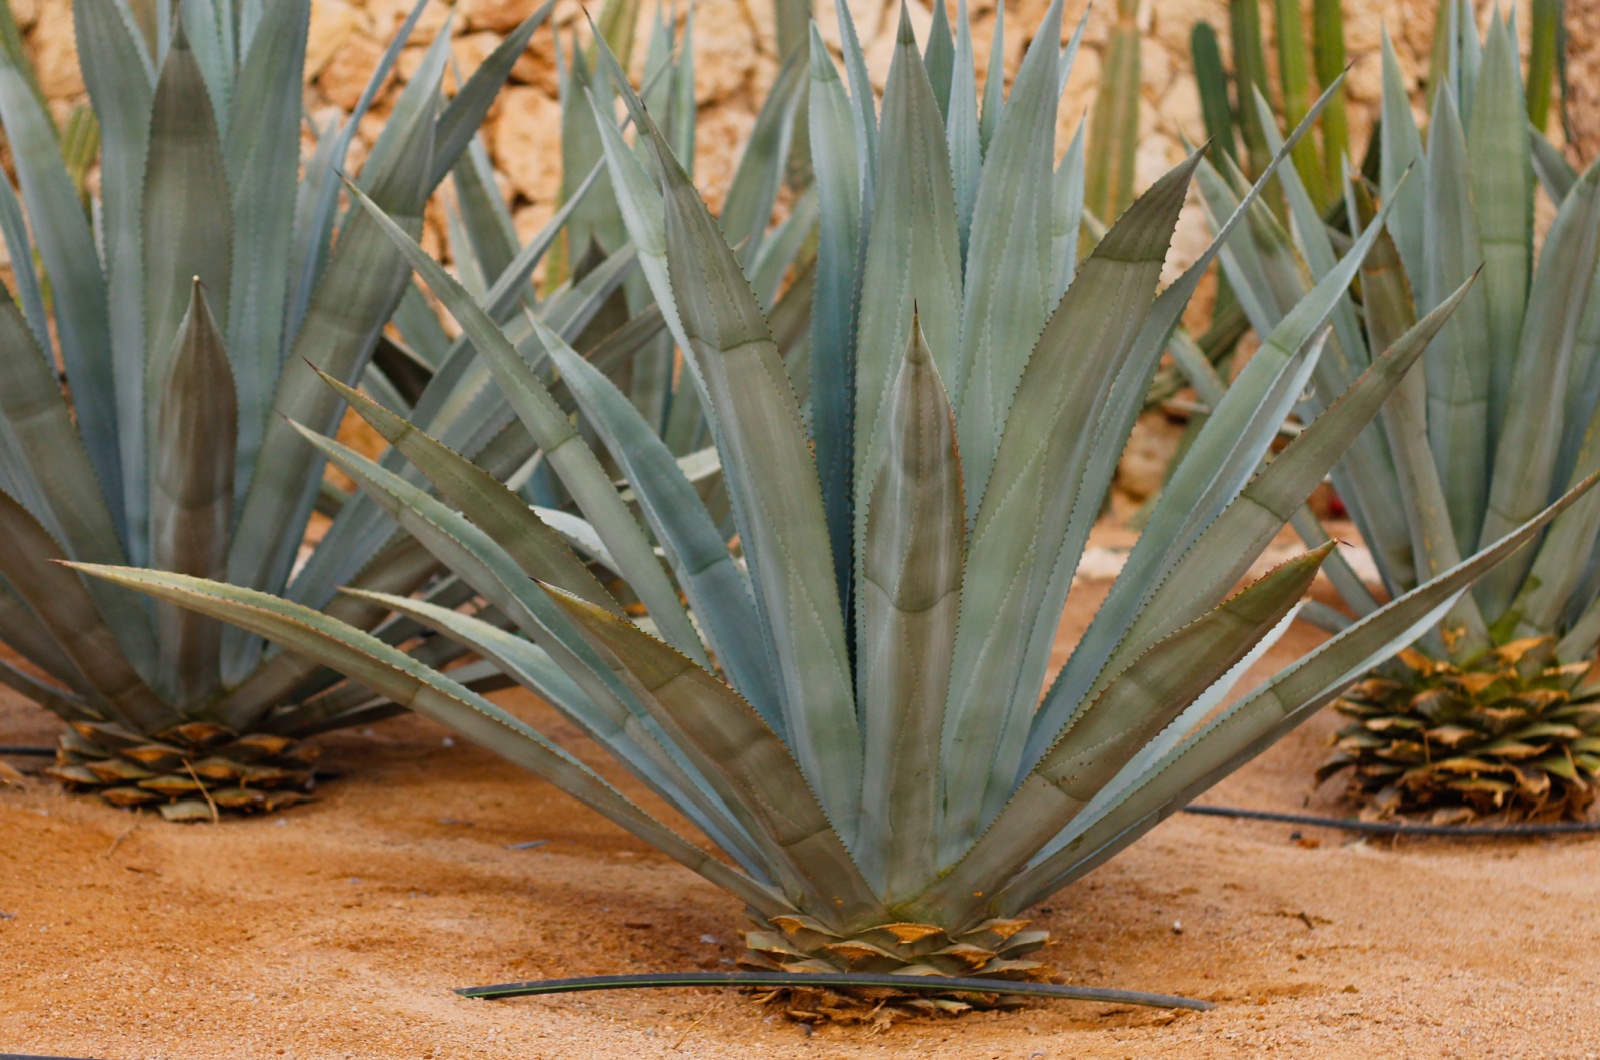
735, 61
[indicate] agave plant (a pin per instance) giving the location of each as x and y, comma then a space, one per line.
1492, 711
185, 308
853, 706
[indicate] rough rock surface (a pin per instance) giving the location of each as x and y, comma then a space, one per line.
736, 60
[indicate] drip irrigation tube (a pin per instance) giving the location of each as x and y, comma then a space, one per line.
930, 983
1351, 824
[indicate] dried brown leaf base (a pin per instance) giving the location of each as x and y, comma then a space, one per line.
995, 949
877, 1007
191, 772
1503, 736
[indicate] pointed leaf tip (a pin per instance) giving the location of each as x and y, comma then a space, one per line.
905, 35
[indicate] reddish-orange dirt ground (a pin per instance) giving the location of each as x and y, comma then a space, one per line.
338, 929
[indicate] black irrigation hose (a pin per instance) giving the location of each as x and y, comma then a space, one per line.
931, 983
22, 750
1350, 824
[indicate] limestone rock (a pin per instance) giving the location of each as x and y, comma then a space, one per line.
388, 15
332, 23
1023, 15
55, 51
499, 16
435, 228
526, 142
1159, 68
1172, 21
409, 62
762, 16
345, 77
1081, 85
1583, 58
470, 50
725, 50
719, 137
1179, 110
538, 64
866, 14
356, 157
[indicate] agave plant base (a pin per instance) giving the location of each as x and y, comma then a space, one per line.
1497, 736
190, 772
995, 949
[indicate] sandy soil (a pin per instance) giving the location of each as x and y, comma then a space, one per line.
338, 929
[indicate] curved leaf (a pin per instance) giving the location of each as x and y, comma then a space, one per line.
837, 168
635, 744
1225, 549
1023, 520
502, 514
750, 767
67, 250
1458, 364
1010, 274
1529, 448
119, 77
772, 481
1255, 722
29, 563
716, 588
56, 480
1137, 705
262, 152
1501, 171
392, 673
580, 471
